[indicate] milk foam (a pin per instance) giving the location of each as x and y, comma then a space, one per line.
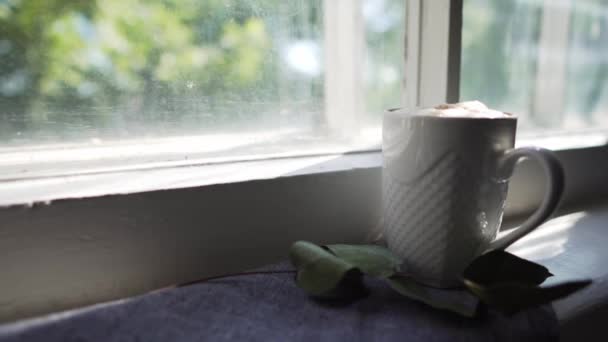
468, 109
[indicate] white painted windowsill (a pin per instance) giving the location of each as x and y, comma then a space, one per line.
45, 175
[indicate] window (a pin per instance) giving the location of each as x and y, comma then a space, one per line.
104, 84
544, 60
169, 80
246, 77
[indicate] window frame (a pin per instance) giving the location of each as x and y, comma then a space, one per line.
153, 237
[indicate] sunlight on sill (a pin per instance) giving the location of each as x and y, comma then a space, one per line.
148, 154
548, 240
47, 174
175, 152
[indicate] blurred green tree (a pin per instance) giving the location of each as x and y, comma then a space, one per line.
83, 62
26, 39
81, 69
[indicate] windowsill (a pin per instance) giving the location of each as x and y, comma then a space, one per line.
48, 189
572, 246
176, 224
113, 156
563, 140
53, 179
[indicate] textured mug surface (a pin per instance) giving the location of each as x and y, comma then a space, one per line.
443, 194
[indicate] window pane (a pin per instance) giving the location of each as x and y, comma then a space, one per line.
546, 61
115, 70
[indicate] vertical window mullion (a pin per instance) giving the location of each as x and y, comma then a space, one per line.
344, 38
433, 52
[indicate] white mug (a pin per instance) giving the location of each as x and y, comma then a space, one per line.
444, 184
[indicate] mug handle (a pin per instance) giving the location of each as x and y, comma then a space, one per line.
553, 190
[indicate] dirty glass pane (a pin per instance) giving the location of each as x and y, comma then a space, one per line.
99, 72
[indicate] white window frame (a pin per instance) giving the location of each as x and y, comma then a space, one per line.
432, 56
130, 231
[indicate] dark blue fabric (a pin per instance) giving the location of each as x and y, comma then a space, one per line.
272, 308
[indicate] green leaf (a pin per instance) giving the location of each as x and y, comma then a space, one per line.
458, 301
497, 267
377, 261
349, 288
513, 297
322, 274
510, 284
